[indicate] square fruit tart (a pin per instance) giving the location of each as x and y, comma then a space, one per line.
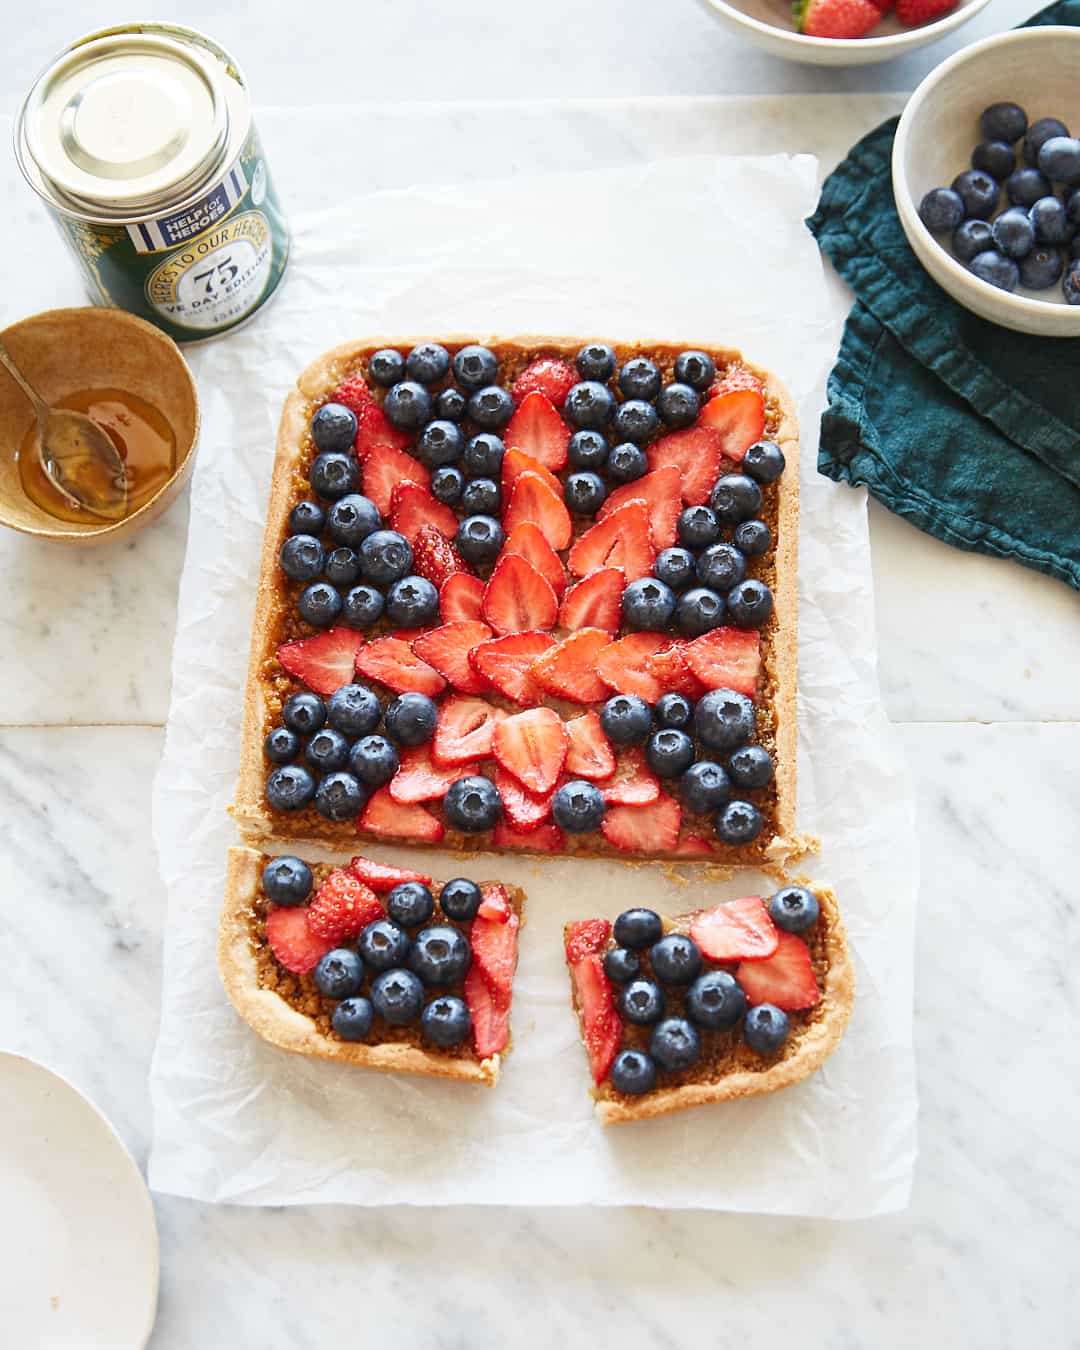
533, 594
733, 1001
370, 964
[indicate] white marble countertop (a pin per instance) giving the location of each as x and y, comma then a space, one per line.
978, 663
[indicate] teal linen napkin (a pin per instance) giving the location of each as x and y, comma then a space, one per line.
970, 431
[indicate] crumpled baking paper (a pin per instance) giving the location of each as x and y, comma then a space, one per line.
697, 249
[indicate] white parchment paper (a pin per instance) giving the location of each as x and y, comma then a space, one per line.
695, 249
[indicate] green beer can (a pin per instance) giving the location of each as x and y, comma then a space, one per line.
140, 141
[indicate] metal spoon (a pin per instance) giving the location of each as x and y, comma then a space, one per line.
77, 454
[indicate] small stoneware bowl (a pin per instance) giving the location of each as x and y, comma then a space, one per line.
65, 350
768, 24
1039, 68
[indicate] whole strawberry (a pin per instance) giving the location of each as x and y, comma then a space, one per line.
912, 13
343, 906
836, 18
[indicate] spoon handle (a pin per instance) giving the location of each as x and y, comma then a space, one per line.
41, 408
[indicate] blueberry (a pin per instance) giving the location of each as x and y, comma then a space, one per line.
374, 760
704, 787
287, 880
472, 804
1041, 268
765, 1029
642, 1002
675, 567
715, 1000
721, 567
695, 369
626, 719
353, 709
669, 752
997, 158
1074, 250
1038, 134
995, 268
1071, 285
723, 719
445, 1021
626, 463
621, 965
794, 908
1026, 186
636, 420
339, 974
342, 566
1003, 122
447, 484
979, 192
460, 899
334, 427
735, 497
397, 996
589, 404
281, 745
410, 904
440, 442
450, 404
352, 1018
363, 605
764, 462
587, 450
1059, 160
327, 750
648, 604
678, 405
484, 455
638, 928
578, 807
491, 407
427, 362
408, 405
698, 527
481, 497
386, 367
351, 519
307, 518
383, 944
475, 367
1072, 213
699, 611
385, 557
1052, 225
479, 538
675, 1044
301, 557
972, 238
639, 378
1013, 232
633, 1072
750, 767
440, 955
738, 823
675, 959
584, 493
749, 603
340, 796
941, 210
319, 604
303, 712
289, 788
411, 719
596, 361
752, 538
332, 474
674, 710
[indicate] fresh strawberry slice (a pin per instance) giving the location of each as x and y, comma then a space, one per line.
495, 903
524, 809
384, 468
740, 930
644, 829
568, 670
384, 816
623, 665
621, 540
490, 1024
434, 556
412, 507
589, 753
532, 499
727, 658
586, 937
392, 662
633, 783
737, 412
464, 730
420, 779
595, 602
517, 462
532, 746
324, 662
518, 599
786, 978
528, 542
538, 429
447, 649
381, 877
505, 664
354, 394
540, 839
494, 953
601, 1027
661, 491
736, 377
695, 846
460, 597
547, 375
343, 905
293, 943
670, 668
374, 429
696, 453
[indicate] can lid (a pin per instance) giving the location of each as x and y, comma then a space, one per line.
130, 119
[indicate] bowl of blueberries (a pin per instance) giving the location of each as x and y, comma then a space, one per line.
986, 176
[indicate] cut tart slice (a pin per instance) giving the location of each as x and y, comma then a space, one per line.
741, 999
371, 965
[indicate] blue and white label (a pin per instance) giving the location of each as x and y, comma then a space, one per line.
171, 231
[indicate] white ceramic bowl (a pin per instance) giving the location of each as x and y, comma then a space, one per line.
768, 24
1039, 68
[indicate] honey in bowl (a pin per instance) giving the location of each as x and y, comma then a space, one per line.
140, 433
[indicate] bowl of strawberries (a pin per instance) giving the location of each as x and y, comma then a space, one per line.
843, 32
